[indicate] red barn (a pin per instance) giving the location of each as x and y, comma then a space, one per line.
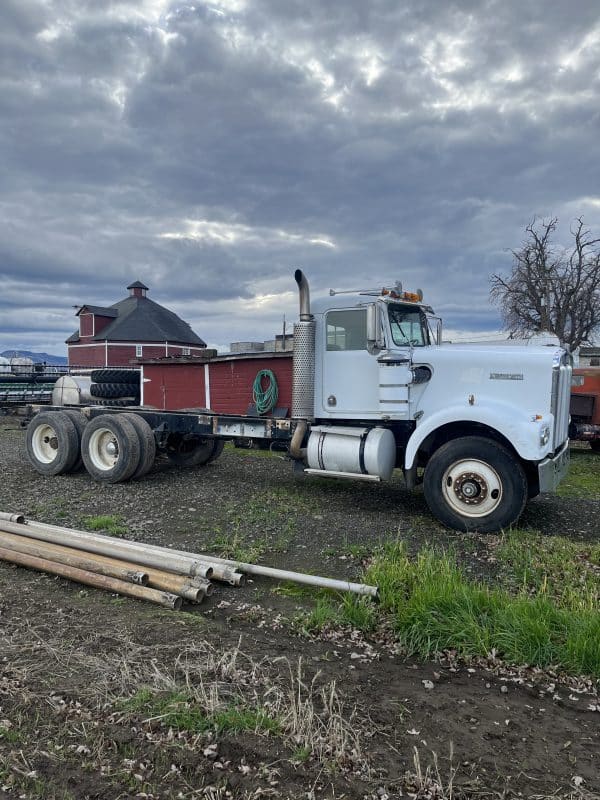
135, 327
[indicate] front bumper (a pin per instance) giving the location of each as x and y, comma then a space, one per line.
553, 469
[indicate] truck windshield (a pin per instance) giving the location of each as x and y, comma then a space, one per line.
408, 326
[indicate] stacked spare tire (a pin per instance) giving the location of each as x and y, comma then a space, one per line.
115, 387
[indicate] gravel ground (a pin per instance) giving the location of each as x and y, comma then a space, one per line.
506, 733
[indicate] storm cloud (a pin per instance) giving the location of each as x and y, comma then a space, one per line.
209, 148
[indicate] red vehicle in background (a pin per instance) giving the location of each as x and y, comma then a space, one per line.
585, 406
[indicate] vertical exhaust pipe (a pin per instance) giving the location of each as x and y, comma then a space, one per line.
303, 386
304, 296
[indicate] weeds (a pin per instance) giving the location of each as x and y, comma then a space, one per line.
583, 479
269, 512
181, 711
230, 693
435, 607
112, 524
564, 571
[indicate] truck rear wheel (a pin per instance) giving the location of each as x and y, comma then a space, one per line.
52, 443
79, 421
110, 448
147, 444
475, 484
595, 445
195, 452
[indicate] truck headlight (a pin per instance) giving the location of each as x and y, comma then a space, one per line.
544, 435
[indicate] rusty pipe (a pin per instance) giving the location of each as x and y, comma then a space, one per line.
227, 575
194, 589
88, 578
298, 452
194, 558
190, 588
75, 558
146, 555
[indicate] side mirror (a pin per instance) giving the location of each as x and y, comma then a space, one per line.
375, 341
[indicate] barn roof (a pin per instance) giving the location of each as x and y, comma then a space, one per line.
100, 311
138, 319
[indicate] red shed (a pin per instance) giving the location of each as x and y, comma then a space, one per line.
223, 384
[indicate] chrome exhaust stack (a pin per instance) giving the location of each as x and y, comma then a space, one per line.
303, 385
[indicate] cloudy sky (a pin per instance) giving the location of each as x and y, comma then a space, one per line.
209, 148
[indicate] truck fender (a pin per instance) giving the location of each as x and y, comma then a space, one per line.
514, 425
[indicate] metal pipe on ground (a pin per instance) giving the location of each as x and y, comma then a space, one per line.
146, 555
12, 517
75, 558
185, 587
318, 581
36, 529
164, 599
193, 589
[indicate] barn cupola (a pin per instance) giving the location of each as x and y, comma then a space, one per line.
137, 289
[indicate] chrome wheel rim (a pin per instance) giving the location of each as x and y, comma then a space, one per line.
44, 443
472, 488
103, 449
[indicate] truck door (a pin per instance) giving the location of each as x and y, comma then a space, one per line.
350, 372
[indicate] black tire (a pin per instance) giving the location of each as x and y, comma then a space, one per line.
147, 444
52, 443
595, 445
110, 448
115, 375
114, 389
80, 422
475, 484
193, 452
118, 402
219, 445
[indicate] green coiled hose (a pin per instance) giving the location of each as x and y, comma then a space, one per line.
265, 400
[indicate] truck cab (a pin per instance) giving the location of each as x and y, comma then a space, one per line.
484, 428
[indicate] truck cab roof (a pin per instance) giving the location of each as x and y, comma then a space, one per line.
320, 305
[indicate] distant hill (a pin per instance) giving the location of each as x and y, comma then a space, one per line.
55, 361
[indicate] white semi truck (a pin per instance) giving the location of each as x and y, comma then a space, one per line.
484, 429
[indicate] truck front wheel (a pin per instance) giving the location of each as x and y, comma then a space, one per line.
475, 484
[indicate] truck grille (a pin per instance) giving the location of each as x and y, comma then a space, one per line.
561, 395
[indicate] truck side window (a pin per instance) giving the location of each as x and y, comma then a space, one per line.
347, 330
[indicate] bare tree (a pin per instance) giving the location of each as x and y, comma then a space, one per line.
550, 289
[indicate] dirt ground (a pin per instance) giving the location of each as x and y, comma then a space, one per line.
366, 721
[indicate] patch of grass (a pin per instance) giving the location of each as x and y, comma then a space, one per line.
181, 712
9, 735
113, 524
331, 609
325, 614
583, 478
271, 512
301, 755
566, 572
239, 546
294, 590
358, 551
435, 606
236, 719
